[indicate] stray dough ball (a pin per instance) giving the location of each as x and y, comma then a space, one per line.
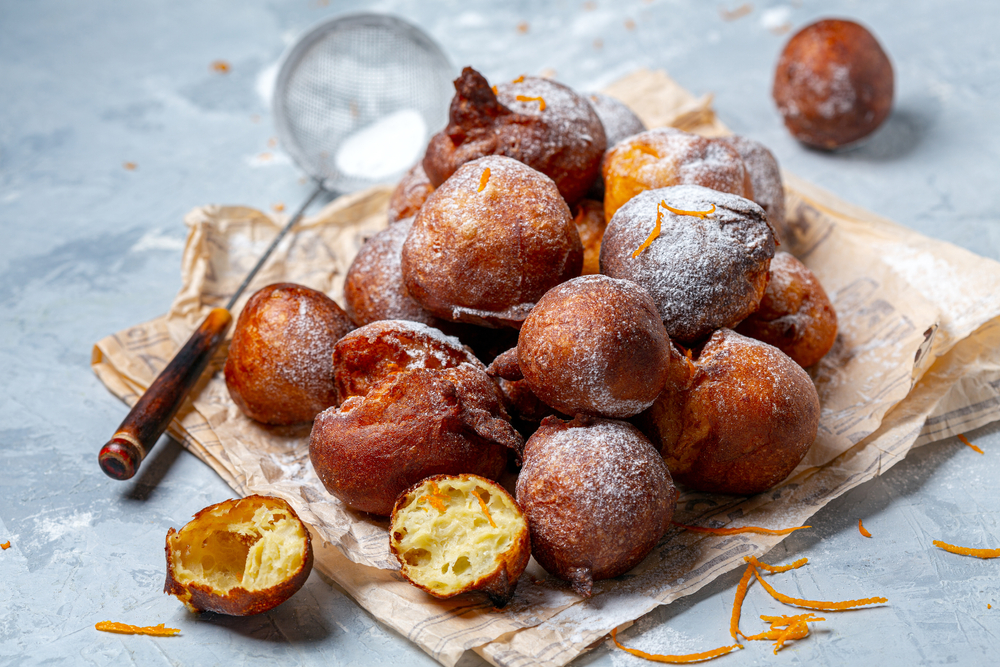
833, 84
279, 369
489, 243
703, 271
455, 534
415, 423
765, 177
746, 418
239, 557
666, 156
536, 121
595, 345
374, 288
410, 194
597, 497
795, 314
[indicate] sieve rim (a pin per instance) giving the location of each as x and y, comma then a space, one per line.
294, 55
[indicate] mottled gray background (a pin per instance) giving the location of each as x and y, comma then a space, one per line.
90, 247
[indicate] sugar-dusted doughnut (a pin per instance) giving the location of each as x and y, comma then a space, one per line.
703, 256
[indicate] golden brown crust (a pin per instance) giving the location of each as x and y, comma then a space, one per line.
595, 345
498, 584
666, 156
369, 354
415, 423
237, 601
597, 497
588, 216
279, 368
833, 84
747, 418
703, 273
410, 194
486, 246
374, 288
795, 314
533, 120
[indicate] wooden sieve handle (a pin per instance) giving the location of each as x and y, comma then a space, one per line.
148, 419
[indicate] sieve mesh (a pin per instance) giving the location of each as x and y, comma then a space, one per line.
357, 98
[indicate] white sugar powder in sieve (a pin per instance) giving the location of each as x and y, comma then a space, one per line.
384, 148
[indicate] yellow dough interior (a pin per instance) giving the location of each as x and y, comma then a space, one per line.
247, 545
445, 537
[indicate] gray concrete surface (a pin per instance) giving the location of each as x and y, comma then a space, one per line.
90, 247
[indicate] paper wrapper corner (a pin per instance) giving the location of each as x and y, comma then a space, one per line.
917, 359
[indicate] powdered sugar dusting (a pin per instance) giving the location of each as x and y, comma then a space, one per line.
374, 288
702, 273
765, 177
618, 120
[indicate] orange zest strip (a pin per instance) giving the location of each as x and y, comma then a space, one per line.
5, 545
741, 593
736, 531
436, 498
652, 235
525, 98
125, 629
518, 79
484, 179
696, 214
494, 89
486, 510
675, 659
817, 604
776, 568
967, 551
966, 442
863, 530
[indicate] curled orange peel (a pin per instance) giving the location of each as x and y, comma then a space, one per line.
126, 629
968, 551
862, 529
743, 529
525, 98
675, 659
965, 441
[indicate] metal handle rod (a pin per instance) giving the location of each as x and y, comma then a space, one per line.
149, 417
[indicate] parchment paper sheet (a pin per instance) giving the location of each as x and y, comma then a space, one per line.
917, 359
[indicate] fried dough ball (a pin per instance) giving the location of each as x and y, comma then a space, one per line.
765, 178
703, 271
745, 419
666, 156
413, 424
279, 369
595, 345
536, 121
455, 534
795, 314
489, 243
588, 216
833, 84
410, 194
374, 288
365, 357
597, 497
617, 119
239, 557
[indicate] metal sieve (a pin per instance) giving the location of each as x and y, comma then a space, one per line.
355, 101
